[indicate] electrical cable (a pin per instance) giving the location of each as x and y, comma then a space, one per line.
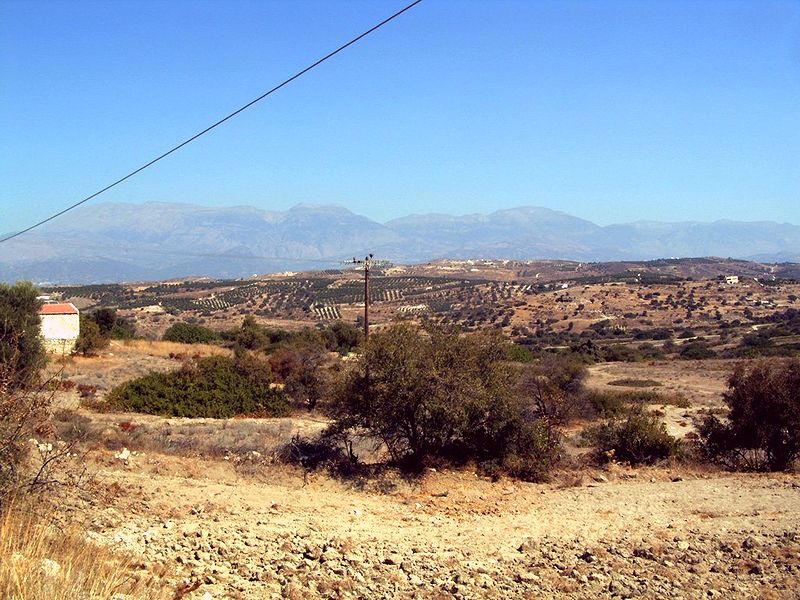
217, 124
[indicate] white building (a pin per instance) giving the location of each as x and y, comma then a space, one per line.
731, 279
61, 324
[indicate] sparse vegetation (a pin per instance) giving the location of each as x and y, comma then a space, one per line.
39, 559
628, 382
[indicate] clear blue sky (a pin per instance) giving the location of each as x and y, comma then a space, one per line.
611, 111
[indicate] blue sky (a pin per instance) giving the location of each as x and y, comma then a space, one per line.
611, 111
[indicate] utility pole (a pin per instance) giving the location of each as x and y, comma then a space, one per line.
365, 262
368, 262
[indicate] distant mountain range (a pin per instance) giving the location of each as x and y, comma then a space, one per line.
152, 241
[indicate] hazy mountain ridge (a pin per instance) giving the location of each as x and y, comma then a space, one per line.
115, 241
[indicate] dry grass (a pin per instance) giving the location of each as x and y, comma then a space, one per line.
165, 349
41, 560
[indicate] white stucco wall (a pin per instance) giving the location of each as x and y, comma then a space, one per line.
60, 332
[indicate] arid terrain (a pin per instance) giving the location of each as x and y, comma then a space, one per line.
201, 503
618, 533
209, 509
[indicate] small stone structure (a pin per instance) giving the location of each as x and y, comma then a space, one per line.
61, 324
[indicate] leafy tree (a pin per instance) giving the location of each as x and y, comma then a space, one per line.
188, 333
437, 396
763, 427
90, 340
24, 406
112, 326
20, 329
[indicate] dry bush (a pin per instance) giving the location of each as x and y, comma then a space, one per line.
24, 414
40, 560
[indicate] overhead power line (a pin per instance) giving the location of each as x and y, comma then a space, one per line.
217, 124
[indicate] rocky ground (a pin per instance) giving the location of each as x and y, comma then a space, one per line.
623, 533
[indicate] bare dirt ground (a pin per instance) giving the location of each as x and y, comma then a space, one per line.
648, 533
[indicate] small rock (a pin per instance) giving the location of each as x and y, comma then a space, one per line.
527, 577
749, 543
49, 568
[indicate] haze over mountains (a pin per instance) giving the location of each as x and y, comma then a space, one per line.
128, 242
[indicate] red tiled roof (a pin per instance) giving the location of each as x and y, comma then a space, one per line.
63, 308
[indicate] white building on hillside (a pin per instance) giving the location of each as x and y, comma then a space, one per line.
61, 324
731, 279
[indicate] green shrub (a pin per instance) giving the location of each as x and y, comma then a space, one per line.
639, 439
521, 354
105, 319
124, 329
252, 336
620, 353
606, 404
218, 387
649, 351
763, 428
696, 351
187, 333
342, 337
301, 368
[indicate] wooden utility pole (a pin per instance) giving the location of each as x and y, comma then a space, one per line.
368, 262
366, 297
365, 262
